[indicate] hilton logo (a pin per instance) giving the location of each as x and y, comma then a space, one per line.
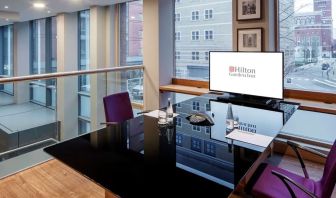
242, 72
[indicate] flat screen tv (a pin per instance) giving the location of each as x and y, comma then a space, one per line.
247, 73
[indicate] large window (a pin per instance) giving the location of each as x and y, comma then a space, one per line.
131, 48
84, 112
306, 35
43, 60
6, 57
205, 21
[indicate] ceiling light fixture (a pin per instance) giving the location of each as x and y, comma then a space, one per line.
7, 19
48, 11
39, 5
6, 7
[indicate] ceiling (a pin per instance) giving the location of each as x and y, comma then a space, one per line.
23, 10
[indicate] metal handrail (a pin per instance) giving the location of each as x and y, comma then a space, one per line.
69, 73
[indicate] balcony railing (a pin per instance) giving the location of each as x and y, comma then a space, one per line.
47, 108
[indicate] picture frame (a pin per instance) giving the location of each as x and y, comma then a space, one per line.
250, 39
248, 9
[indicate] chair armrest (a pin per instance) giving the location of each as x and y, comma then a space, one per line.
110, 123
296, 146
286, 179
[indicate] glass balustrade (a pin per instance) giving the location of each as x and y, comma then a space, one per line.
41, 112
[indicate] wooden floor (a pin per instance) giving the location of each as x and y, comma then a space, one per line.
54, 179
50, 179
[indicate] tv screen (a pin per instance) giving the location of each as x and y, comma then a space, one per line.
250, 73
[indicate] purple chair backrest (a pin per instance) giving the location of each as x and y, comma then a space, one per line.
329, 175
118, 107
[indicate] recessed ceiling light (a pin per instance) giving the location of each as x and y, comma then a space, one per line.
7, 19
6, 7
39, 5
48, 11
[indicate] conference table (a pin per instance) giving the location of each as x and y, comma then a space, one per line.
141, 158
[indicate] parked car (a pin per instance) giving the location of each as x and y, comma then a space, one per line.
325, 66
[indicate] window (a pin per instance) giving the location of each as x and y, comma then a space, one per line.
195, 15
208, 35
195, 35
196, 144
210, 148
43, 60
84, 110
196, 128
207, 107
131, 48
179, 122
6, 57
178, 105
177, 17
208, 14
177, 55
131, 28
207, 130
218, 22
177, 36
206, 56
195, 55
308, 47
179, 139
195, 106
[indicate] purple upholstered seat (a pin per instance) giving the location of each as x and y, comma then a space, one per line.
118, 107
269, 185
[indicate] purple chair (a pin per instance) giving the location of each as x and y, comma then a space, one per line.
118, 108
277, 182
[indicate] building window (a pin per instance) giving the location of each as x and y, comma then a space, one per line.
177, 36
311, 49
84, 100
179, 122
195, 55
210, 148
6, 57
196, 128
177, 17
207, 130
208, 14
195, 35
179, 139
208, 35
177, 55
43, 60
195, 106
178, 105
195, 15
218, 22
196, 144
207, 107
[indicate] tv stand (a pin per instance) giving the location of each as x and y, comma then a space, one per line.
244, 99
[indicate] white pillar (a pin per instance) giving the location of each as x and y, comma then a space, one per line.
67, 87
21, 60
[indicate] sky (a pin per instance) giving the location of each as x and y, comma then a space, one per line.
309, 6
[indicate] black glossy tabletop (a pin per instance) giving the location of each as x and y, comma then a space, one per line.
139, 158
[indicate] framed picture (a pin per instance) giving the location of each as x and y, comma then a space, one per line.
249, 40
248, 9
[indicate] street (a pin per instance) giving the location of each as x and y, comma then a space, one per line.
311, 77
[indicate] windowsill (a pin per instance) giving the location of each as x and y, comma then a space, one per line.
305, 104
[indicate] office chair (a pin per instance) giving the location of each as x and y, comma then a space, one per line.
276, 182
118, 108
